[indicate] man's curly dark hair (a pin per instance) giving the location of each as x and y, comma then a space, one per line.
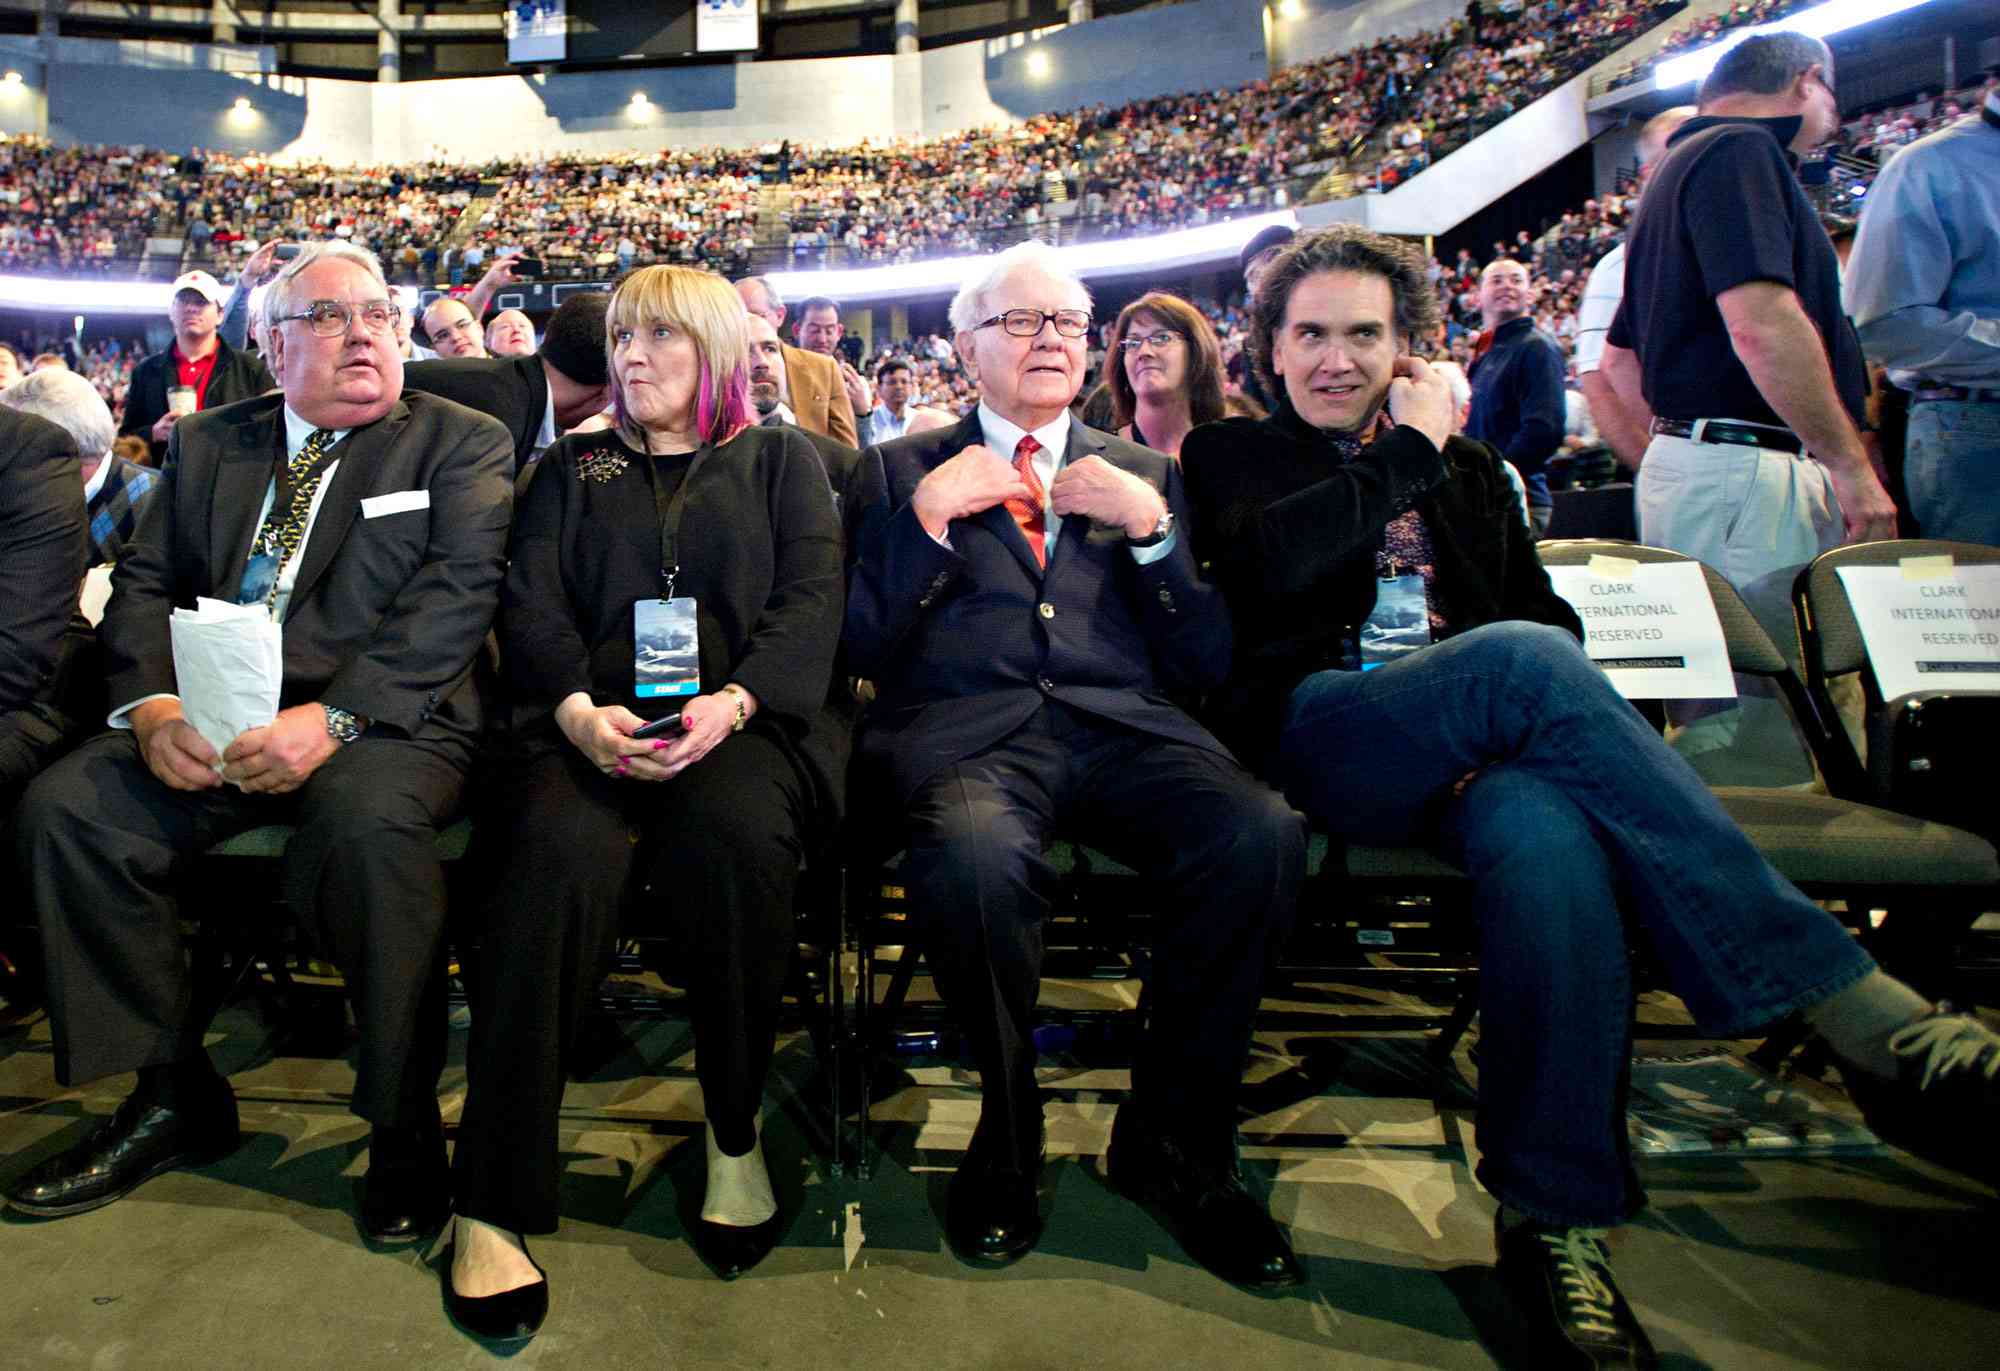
1342, 247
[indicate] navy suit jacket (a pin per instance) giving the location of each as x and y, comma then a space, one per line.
964, 643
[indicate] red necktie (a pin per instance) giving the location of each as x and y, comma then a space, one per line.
1028, 513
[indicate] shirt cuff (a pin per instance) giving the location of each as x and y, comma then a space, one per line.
121, 716
1146, 556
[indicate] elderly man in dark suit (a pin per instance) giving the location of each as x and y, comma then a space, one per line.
1025, 600
43, 551
538, 397
373, 524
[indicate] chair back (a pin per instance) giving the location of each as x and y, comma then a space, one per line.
1751, 651
1829, 634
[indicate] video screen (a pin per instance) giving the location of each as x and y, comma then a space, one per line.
537, 30
725, 25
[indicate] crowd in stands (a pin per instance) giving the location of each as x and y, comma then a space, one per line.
1877, 137
599, 215
1504, 63
1699, 33
401, 212
77, 210
106, 362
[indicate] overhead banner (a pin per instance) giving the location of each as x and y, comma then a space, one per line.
725, 25
1650, 626
1928, 624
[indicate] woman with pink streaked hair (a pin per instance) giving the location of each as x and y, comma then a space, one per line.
667, 634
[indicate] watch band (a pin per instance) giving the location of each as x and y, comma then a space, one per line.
1161, 531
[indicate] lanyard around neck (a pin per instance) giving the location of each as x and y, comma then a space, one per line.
670, 511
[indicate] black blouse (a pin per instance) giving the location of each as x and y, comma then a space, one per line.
759, 552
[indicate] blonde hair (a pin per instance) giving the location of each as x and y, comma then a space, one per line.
708, 309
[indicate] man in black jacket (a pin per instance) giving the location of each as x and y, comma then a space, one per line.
1517, 383
374, 526
198, 371
1408, 675
43, 551
538, 397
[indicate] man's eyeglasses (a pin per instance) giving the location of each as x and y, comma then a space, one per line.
1157, 341
1026, 323
331, 318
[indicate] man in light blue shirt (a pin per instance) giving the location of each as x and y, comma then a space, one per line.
894, 380
1923, 288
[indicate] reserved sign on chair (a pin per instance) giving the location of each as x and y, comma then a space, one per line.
1928, 624
1651, 626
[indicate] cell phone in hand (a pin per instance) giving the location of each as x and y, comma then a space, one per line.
527, 266
663, 727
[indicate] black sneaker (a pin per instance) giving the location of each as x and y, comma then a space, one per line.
1944, 1104
1560, 1279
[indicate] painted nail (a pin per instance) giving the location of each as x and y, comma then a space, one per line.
659, 743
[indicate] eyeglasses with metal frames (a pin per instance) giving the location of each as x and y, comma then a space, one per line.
1157, 341
331, 318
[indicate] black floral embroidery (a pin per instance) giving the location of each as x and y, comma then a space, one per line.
600, 465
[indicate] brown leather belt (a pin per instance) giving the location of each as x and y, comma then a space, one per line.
1732, 431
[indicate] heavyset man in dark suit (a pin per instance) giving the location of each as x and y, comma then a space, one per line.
375, 524
43, 551
1024, 620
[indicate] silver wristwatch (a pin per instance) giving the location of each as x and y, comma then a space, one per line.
1159, 534
341, 725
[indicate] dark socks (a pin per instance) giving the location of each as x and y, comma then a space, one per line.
182, 1083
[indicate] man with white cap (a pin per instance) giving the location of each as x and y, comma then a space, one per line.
199, 371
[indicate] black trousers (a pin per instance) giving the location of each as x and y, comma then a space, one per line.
30, 738
711, 856
102, 843
1227, 852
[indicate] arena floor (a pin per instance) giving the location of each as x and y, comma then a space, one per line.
1860, 1259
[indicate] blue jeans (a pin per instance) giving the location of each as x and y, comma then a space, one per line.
1580, 822
1951, 468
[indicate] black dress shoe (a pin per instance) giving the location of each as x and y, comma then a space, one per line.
139, 1141
406, 1194
512, 1316
1945, 1102
1205, 1204
1560, 1279
992, 1214
731, 1250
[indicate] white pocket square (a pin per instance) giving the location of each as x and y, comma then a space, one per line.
395, 502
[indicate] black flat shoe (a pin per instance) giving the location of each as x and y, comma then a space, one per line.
406, 1194
1204, 1203
730, 1250
512, 1316
138, 1142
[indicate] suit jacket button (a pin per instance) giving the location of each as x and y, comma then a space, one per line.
1048, 686
1167, 599
941, 579
1046, 610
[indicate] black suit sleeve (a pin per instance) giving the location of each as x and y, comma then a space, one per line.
1184, 617
541, 648
1539, 377
899, 572
788, 661
442, 614
43, 548
1288, 545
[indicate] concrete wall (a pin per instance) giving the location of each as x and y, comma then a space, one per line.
92, 97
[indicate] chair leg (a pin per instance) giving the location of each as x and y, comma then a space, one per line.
1462, 1015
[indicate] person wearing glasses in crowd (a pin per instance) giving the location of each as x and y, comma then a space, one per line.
372, 524
1024, 599
668, 629
1406, 672
1166, 372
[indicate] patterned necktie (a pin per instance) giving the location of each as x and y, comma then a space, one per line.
277, 542
1028, 513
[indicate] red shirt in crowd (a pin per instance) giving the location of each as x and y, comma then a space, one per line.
196, 374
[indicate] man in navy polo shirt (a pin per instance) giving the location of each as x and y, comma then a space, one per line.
1517, 384
1733, 331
